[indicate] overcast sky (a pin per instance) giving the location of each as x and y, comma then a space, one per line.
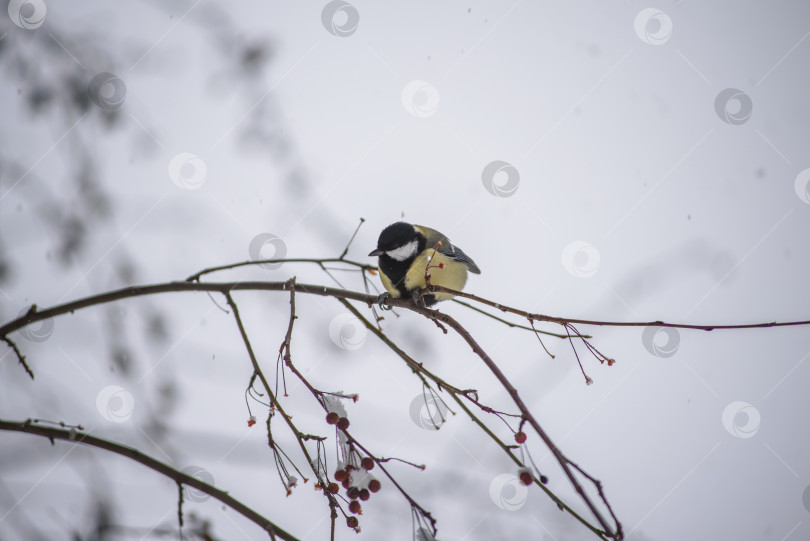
601, 160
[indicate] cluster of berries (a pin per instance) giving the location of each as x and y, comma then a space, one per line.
353, 471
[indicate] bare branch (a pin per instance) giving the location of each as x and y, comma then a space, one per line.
76, 436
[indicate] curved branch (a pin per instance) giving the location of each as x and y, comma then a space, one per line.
563, 461
34, 314
179, 477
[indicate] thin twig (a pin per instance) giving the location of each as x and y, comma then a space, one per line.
564, 320
509, 323
346, 249
20, 356
196, 277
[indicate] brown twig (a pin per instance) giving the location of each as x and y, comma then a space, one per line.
76, 436
565, 320
20, 356
362, 266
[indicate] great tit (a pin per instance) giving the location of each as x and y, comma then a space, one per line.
404, 252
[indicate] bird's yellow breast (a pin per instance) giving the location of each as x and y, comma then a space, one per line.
453, 275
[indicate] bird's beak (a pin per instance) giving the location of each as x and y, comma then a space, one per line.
376, 252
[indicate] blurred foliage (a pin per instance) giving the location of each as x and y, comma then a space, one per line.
51, 69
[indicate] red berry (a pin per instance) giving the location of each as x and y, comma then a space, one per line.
251, 421
374, 485
333, 488
364, 495
332, 417
367, 463
343, 423
355, 508
341, 475
520, 437
352, 522
526, 478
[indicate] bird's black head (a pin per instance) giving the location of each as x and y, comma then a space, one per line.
395, 238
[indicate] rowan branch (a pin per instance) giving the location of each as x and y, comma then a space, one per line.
442, 320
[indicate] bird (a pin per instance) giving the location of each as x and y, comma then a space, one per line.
405, 251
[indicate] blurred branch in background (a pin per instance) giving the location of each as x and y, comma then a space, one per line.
76, 435
73, 101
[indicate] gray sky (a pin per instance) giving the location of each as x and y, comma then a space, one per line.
654, 166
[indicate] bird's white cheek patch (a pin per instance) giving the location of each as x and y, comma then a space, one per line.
403, 252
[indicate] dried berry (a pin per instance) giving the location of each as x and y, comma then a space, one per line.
520, 437
526, 478
355, 508
332, 417
374, 485
343, 423
367, 463
353, 493
333, 488
341, 475
364, 495
352, 522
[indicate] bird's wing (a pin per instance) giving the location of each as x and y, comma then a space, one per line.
447, 248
